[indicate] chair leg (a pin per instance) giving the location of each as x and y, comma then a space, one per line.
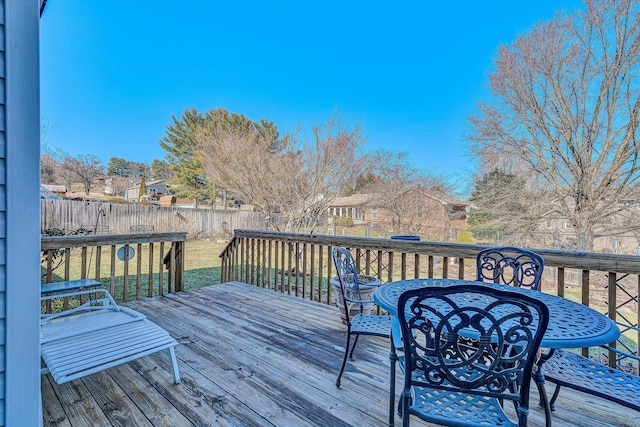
552, 402
393, 358
346, 353
538, 378
174, 364
354, 346
406, 401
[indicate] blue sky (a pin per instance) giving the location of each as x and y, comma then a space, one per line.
410, 72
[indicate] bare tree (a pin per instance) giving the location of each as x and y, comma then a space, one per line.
403, 191
49, 169
118, 184
566, 110
85, 168
293, 179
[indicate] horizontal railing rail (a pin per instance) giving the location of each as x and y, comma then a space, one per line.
135, 266
301, 265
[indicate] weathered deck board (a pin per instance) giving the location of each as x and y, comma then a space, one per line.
251, 357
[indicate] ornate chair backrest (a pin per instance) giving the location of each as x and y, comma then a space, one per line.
472, 339
347, 272
510, 266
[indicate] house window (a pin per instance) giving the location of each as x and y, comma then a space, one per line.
567, 225
374, 213
547, 223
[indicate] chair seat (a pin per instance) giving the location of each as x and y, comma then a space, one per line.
443, 407
368, 324
79, 355
572, 370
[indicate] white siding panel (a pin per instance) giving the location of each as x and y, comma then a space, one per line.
3, 111
20, 118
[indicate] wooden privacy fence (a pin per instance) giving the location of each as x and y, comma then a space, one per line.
301, 265
117, 218
131, 266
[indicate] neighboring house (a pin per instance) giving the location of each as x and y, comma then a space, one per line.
20, 396
354, 207
431, 214
154, 189
58, 190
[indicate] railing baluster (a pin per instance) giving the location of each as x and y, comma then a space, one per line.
329, 264
304, 270
276, 266
125, 286
161, 271
282, 269
112, 282
270, 272
297, 264
445, 267
289, 268
638, 324
585, 299
83, 263
613, 305
139, 272
67, 263
98, 262
312, 281
150, 290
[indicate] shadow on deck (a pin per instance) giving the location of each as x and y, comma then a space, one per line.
252, 357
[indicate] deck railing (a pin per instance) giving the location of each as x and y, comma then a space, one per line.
301, 265
135, 266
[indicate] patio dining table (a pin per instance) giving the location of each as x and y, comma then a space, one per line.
571, 324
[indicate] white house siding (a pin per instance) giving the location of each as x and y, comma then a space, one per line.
20, 400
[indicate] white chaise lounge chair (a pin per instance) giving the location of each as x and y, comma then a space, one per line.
98, 335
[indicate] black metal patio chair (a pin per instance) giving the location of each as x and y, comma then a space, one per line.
510, 266
449, 382
361, 323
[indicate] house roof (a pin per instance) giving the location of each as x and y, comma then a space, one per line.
444, 198
55, 188
146, 184
377, 198
354, 200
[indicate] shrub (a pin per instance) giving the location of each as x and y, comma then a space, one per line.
343, 222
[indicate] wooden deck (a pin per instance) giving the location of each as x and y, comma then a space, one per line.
251, 357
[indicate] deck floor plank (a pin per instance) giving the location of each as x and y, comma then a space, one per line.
52, 411
252, 357
119, 408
